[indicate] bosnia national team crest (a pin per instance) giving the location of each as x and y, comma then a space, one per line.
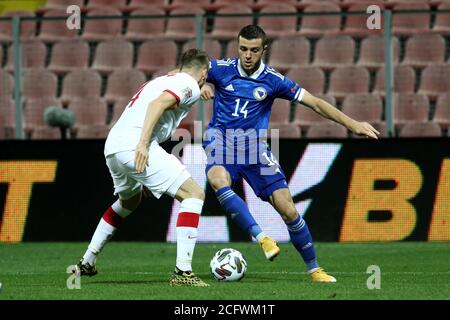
260, 93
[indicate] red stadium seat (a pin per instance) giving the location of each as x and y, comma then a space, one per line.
88, 112
102, 29
372, 52
289, 52
34, 114
404, 80
342, 53
442, 113
286, 130
327, 130
183, 29
356, 25
33, 54
175, 4
69, 56
134, 4
8, 116
91, 132
410, 24
61, 4
27, 28
81, 84
112, 55
219, 4
212, 47
348, 80
410, 107
435, 80
442, 22
118, 108
424, 49
56, 30
156, 54
6, 85
116, 4
310, 78
420, 129
39, 83
227, 28
232, 49
363, 107
281, 110
46, 133
123, 84
146, 29
280, 26
317, 26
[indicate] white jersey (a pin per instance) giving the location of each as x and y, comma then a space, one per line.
126, 133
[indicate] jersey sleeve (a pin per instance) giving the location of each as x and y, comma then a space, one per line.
289, 90
184, 90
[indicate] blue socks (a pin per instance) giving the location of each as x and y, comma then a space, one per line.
302, 241
238, 210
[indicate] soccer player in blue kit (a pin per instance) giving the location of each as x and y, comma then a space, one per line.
244, 90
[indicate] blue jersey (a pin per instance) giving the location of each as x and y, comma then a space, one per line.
245, 102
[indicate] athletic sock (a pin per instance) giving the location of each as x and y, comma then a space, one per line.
302, 240
238, 210
187, 223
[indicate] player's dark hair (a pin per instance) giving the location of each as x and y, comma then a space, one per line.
194, 58
253, 32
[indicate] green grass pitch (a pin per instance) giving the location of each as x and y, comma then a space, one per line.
130, 270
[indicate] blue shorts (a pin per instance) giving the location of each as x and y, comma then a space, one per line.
265, 176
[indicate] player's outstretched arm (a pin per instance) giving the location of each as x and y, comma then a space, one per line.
328, 111
154, 112
207, 92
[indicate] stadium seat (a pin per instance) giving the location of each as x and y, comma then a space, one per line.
363, 107
175, 4
410, 107
112, 55
424, 49
435, 80
310, 78
60, 4
212, 47
281, 111
372, 52
153, 55
102, 29
286, 130
317, 26
410, 24
356, 25
8, 116
39, 83
232, 49
27, 28
118, 107
289, 52
305, 117
183, 29
91, 132
227, 28
420, 129
123, 84
219, 4
442, 22
442, 112
264, 3
342, 53
34, 113
404, 80
348, 80
81, 84
46, 133
88, 112
116, 4
33, 54
69, 56
327, 130
143, 28
135, 4
280, 26
6, 85
56, 30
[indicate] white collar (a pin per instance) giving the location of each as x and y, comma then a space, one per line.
255, 74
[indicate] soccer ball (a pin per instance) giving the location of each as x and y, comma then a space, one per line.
228, 265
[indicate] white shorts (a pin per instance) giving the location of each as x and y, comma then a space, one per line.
164, 174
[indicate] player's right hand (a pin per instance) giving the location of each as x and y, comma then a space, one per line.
207, 92
141, 158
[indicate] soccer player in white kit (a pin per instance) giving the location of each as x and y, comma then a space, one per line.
136, 160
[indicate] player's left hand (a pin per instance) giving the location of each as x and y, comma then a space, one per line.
364, 129
141, 158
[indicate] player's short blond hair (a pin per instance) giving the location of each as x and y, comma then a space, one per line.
194, 58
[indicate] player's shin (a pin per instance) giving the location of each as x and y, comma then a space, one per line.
110, 221
302, 240
187, 223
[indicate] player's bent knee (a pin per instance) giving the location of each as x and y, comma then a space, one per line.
218, 178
